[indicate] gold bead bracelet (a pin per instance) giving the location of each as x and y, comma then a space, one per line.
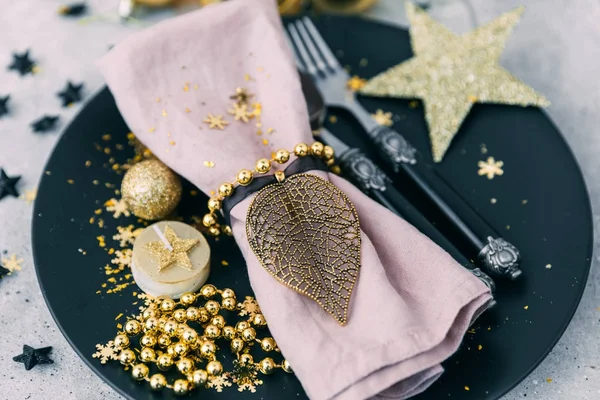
245, 177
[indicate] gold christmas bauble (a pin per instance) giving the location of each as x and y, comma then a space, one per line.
151, 190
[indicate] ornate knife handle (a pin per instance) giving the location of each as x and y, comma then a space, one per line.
394, 148
501, 258
363, 172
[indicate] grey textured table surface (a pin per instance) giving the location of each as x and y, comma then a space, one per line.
554, 49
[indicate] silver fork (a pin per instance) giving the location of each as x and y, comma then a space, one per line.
313, 54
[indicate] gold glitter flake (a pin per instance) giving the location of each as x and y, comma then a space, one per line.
215, 121
490, 168
356, 83
117, 207
449, 72
548, 266
383, 118
240, 112
164, 113
178, 255
332, 119
224, 263
29, 196
12, 263
209, 164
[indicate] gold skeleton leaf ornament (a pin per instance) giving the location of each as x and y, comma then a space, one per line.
306, 233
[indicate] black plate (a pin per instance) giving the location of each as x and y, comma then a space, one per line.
553, 227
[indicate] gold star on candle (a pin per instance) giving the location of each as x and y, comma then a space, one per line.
179, 254
450, 73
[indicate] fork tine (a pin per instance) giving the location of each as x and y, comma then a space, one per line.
311, 47
310, 67
327, 54
288, 39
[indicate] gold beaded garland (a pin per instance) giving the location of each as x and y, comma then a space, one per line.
167, 305
127, 356
181, 387
139, 371
208, 291
259, 320
121, 341
229, 304
267, 366
164, 362
179, 315
268, 344
245, 176
199, 377
133, 327
158, 382
147, 354
148, 340
218, 321
185, 365
214, 368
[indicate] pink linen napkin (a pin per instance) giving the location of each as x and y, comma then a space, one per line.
412, 302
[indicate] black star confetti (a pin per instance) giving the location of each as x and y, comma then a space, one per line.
22, 63
4, 271
7, 185
32, 357
70, 94
73, 10
44, 124
3, 106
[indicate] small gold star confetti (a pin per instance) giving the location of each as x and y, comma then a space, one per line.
356, 83
70, 181
117, 207
187, 110
332, 119
493, 200
450, 72
151, 130
549, 380
524, 202
179, 254
29, 196
467, 388
164, 113
383, 118
490, 168
548, 266
186, 87
12, 263
241, 95
224, 263
240, 112
526, 308
215, 121
480, 347
209, 164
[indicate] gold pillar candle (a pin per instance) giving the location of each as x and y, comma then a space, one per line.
170, 258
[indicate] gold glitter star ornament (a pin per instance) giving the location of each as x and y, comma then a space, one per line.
173, 251
451, 72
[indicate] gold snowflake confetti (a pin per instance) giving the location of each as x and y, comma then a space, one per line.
241, 95
219, 382
249, 307
126, 235
106, 352
215, 121
490, 168
240, 112
29, 196
383, 118
12, 263
355, 83
209, 164
117, 207
122, 257
245, 376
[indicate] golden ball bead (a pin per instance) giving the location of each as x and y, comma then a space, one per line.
179, 315
171, 350
149, 313
180, 349
268, 344
164, 341
185, 365
267, 366
282, 156
330, 163
301, 149
121, 341
208, 348
192, 313
212, 307
226, 189
170, 327
316, 149
218, 321
215, 230
148, 340
263, 165
187, 298
133, 327
228, 332
139, 371
237, 345
328, 152
244, 177
227, 230
164, 362
199, 377
214, 204
240, 326
246, 359
147, 354
229, 303
158, 382
189, 336
228, 293
151, 324
214, 368
248, 334
151, 190
127, 356
209, 219
204, 315
212, 332
181, 387
208, 291
167, 305
336, 169
285, 365
259, 320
